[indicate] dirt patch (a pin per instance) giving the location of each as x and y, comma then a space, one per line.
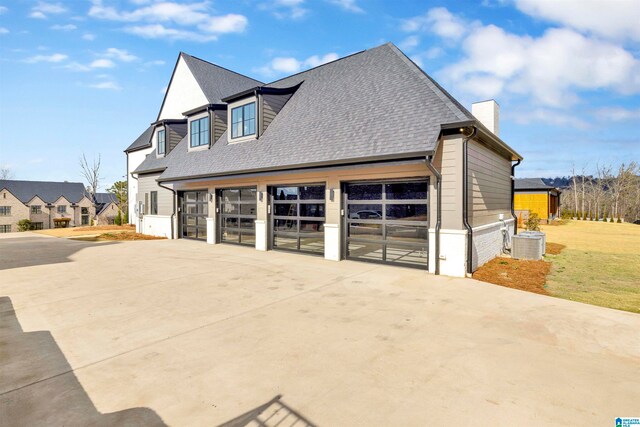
528, 276
554, 248
127, 236
557, 222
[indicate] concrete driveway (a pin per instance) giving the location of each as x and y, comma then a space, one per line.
184, 333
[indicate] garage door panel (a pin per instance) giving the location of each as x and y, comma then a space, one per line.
195, 210
387, 222
238, 208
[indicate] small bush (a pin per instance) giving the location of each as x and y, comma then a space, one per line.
619, 220
125, 219
532, 223
566, 214
118, 219
24, 225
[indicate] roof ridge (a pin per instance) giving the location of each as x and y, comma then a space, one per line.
458, 109
47, 182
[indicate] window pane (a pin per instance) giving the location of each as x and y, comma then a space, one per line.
312, 209
365, 231
249, 127
202, 196
286, 225
407, 255
314, 192
248, 194
249, 111
204, 138
285, 209
365, 192
286, 193
285, 242
229, 208
236, 115
373, 211
230, 235
231, 222
370, 251
312, 227
204, 124
230, 195
407, 212
407, 233
406, 190
312, 244
247, 209
235, 130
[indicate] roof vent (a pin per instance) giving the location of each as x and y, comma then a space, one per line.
488, 113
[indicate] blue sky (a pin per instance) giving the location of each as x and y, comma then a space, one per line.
89, 76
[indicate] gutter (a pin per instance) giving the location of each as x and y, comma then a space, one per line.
513, 195
434, 171
173, 213
465, 198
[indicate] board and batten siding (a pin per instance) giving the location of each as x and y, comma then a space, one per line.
174, 135
271, 105
146, 184
489, 184
448, 159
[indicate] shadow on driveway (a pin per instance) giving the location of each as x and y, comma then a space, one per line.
31, 251
38, 387
273, 413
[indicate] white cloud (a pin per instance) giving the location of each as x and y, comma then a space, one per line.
550, 69
618, 114
156, 62
4, 30
163, 19
42, 9
409, 43
102, 63
439, 21
158, 31
348, 5
76, 66
548, 117
107, 85
56, 57
88, 36
119, 54
3, 9
290, 65
617, 20
285, 9
67, 27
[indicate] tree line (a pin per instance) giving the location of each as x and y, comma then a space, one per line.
610, 194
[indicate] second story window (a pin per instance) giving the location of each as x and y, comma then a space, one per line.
5, 210
200, 132
62, 209
162, 144
243, 120
36, 209
154, 203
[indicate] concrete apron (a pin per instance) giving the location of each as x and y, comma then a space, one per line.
185, 333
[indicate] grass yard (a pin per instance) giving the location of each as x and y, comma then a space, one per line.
592, 262
99, 233
600, 264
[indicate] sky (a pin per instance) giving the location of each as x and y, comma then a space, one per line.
89, 76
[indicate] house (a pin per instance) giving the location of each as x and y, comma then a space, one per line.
532, 195
106, 208
364, 158
43, 203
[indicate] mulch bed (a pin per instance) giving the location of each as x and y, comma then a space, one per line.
530, 276
127, 236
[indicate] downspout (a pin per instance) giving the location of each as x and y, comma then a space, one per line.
173, 213
137, 204
465, 199
513, 195
438, 176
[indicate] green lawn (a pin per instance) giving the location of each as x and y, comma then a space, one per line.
600, 265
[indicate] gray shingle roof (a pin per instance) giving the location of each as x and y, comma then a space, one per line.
371, 105
143, 141
217, 82
49, 192
102, 198
531, 184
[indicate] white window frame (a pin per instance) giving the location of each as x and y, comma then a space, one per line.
199, 116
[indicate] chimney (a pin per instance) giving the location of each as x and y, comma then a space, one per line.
488, 113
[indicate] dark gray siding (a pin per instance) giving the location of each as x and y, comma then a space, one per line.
175, 133
219, 121
271, 105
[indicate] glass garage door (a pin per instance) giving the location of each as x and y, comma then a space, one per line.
298, 216
194, 214
237, 215
387, 222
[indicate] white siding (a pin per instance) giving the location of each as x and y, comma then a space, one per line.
183, 94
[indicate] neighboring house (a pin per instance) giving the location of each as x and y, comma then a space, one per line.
532, 195
106, 208
42, 202
364, 158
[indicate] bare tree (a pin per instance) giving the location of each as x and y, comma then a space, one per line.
6, 173
91, 174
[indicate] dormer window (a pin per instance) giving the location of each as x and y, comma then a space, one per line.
162, 142
243, 120
199, 132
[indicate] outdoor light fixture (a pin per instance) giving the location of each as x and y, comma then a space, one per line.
260, 195
331, 194
211, 197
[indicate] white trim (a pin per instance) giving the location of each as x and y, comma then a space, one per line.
493, 224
